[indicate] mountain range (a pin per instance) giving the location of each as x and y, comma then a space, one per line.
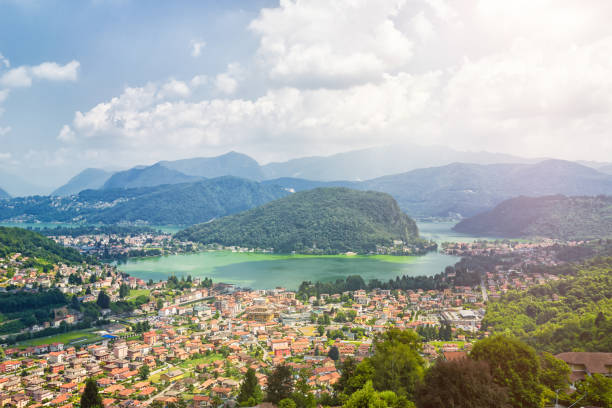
4, 195
454, 190
85, 180
323, 220
185, 203
558, 216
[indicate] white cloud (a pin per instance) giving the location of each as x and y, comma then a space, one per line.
339, 75
4, 130
174, 88
66, 134
16, 78
196, 47
227, 82
4, 61
21, 77
198, 80
332, 43
5, 156
55, 72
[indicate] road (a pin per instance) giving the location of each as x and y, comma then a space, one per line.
485, 297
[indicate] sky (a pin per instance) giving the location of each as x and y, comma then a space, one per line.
117, 83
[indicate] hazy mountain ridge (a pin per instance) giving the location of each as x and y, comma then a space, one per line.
326, 220
4, 195
150, 176
555, 216
469, 189
186, 203
339, 169
85, 180
229, 164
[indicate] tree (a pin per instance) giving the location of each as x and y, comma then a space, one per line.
90, 397
515, 366
74, 303
103, 300
286, 403
463, 383
354, 376
396, 362
280, 384
144, 372
250, 393
124, 290
333, 353
554, 373
598, 389
370, 398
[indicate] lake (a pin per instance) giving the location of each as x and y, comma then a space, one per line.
264, 271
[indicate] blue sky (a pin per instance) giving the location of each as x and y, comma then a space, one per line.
116, 83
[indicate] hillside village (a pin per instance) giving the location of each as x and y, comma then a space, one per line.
190, 341
199, 341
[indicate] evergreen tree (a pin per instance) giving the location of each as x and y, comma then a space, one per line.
103, 300
90, 397
250, 393
280, 384
124, 290
333, 353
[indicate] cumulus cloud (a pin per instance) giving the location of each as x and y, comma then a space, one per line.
4, 61
4, 130
354, 73
55, 72
22, 76
198, 80
196, 47
174, 88
227, 82
331, 43
66, 134
16, 78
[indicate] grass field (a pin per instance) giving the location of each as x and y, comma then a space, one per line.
75, 337
439, 344
134, 293
203, 360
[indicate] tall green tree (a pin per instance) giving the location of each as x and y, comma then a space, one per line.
280, 384
124, 290
514, 366
144, 372
90, 397
333, 353
463, 383
250, 392
103, 300
396, 362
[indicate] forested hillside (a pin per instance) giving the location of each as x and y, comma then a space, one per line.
324, 220
34, 245
180, 204
552, 216
572, 314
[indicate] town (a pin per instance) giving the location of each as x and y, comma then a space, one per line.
190, 341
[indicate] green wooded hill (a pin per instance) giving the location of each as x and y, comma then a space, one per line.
551, 216
572, 314
323, 220
34, 245
178, 204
